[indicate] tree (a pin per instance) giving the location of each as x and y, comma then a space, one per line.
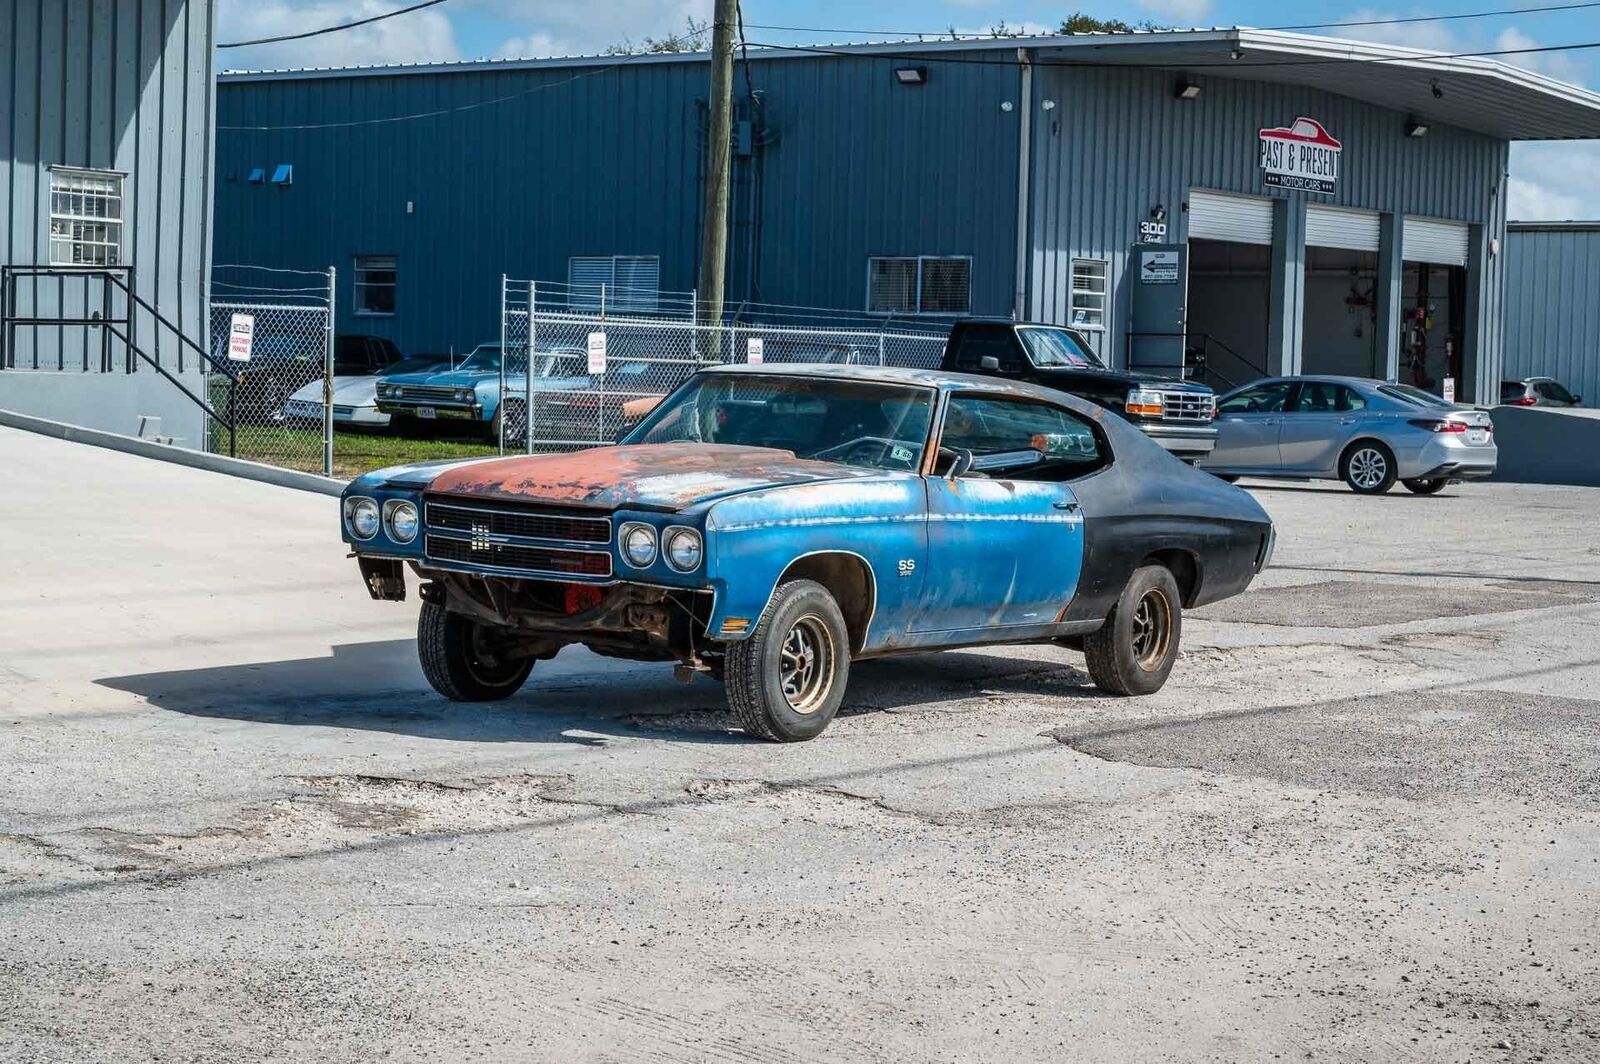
1078, 22
695, 39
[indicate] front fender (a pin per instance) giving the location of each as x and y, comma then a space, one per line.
752, 539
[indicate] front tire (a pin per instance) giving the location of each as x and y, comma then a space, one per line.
1133, 652
785, 681
463, 661
1368, 468
1422, 486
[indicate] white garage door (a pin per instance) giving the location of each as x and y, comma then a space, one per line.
1431, 240
1341, 227
1236, 219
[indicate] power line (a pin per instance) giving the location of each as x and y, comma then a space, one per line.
332, 29
1301, 26
666, 45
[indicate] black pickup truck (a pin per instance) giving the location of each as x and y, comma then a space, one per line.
1176, 414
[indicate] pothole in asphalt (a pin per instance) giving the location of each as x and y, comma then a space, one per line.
1421, 745
1360, 604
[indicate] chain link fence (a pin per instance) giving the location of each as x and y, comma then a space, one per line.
574, 378
272, 332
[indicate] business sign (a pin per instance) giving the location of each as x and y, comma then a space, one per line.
597, 353
1449, 389
1158, 267
1300, 156
754, 350
241, 336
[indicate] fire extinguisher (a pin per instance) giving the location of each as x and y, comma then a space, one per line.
1452, 360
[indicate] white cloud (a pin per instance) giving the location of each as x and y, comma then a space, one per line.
418, 37
1554, 181
583, 26
1181, 12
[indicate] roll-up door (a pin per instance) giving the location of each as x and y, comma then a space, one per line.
1341, 227
1236, 219
1430, 240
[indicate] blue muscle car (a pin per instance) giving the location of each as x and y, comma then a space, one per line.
471, 391
768, 525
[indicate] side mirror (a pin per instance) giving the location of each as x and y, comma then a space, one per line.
1577, 400
989, 364
960, 465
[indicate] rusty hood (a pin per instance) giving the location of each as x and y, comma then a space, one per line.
664, 476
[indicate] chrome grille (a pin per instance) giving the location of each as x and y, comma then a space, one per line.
516, 538
426, 391
543, 561
1186, 406
510, 519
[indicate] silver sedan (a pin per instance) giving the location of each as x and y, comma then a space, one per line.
1367, 433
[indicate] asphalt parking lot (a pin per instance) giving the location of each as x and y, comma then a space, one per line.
1362, 822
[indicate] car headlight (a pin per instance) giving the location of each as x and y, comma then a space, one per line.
400, 520
385, 389
463, 394
361, 515
638, 544
1145, 402
683, 548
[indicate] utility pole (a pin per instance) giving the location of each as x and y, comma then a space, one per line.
714, 231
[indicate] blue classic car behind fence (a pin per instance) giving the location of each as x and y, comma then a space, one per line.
767, 525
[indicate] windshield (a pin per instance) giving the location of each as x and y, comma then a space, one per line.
485, 358
863, 423
416, 364
1058, 347
1416, 396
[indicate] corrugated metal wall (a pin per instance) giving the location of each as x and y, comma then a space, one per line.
1553, 305
117, 85
599, 160
1117, 143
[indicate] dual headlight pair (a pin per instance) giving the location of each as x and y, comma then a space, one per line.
680, 545
397, 517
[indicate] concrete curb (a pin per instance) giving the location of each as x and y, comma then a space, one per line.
215, 463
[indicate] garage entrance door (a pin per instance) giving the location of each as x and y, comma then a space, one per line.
1341, 293
1433, 240
1230, 251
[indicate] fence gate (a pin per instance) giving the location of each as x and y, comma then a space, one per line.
273, 329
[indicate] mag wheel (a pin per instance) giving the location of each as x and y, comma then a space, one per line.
786, 680
1368, 468
1133, 652
465, 661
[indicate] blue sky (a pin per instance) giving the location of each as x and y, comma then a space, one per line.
1548, 180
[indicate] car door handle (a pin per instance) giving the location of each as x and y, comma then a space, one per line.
1347, 421
1269, 421
1070, 507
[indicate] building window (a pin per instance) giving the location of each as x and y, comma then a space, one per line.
375, 284
85, 217
622, 283
1089, 293
919, 284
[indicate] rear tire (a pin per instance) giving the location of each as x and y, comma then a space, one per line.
460, 659
1424, 486
1367, 468
1133, 652
786, 680
1229, 477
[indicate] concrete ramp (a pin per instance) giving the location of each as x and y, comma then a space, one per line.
1545, 445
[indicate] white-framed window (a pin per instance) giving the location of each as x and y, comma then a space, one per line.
629, 282
1088, 309
377, 278
85, 217
919, 284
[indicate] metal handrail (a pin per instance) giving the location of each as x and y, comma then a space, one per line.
113, 277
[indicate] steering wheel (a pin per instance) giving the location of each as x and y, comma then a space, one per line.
869, 450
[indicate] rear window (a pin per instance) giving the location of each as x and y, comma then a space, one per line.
1415, 396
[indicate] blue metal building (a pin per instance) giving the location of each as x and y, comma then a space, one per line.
1553, 304
1270, 201
105, 206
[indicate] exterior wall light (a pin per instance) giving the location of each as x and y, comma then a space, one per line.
1186, 90
1048, 105
916, 75
1415, 128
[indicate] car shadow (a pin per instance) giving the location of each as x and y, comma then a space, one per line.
378, 687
